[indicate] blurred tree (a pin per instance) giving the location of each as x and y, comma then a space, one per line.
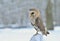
49, 18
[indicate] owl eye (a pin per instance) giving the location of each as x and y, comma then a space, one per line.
32, 13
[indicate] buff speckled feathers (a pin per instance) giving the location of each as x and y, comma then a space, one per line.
36, 21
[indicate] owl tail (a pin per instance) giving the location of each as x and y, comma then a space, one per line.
47, 32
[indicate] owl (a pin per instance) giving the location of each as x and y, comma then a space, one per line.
36, 21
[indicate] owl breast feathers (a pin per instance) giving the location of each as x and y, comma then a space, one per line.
36, 21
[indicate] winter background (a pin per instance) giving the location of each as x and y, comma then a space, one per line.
15, 24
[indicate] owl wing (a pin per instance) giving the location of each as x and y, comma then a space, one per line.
40, 25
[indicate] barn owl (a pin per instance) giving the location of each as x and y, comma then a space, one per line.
36, 21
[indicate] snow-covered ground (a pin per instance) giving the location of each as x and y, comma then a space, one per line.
26, 34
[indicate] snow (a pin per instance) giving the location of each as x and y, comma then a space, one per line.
37, 37
26, 34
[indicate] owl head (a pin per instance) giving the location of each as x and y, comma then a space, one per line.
34, 13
